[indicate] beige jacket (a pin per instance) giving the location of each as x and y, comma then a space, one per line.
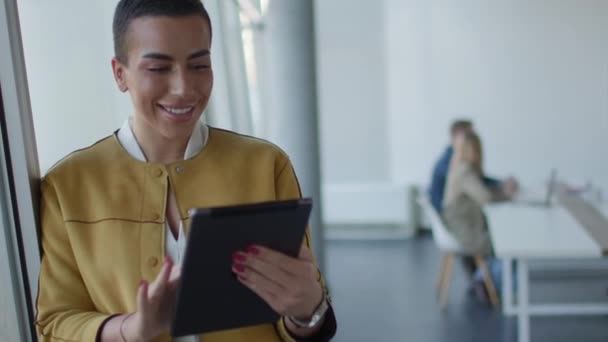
465, 195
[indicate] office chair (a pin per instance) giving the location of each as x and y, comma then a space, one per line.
450, 248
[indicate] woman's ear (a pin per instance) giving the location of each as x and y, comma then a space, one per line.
119, 71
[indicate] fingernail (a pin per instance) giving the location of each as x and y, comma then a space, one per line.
239, 268
238, 257
253, 250
142, 282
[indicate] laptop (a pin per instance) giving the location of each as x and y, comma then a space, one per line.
543, 201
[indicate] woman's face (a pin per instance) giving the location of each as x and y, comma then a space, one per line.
470, 154
465, 151
168, 73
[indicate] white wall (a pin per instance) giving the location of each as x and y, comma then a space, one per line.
351, 81
68, 47
353, 117
75, 102
533, 76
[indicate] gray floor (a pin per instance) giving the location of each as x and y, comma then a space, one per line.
384, 291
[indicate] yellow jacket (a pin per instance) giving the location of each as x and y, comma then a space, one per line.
103, 226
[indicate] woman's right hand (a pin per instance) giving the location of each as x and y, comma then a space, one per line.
155, 303
510, 187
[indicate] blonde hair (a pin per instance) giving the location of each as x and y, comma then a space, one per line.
472, 144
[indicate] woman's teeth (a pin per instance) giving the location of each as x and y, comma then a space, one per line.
178, 111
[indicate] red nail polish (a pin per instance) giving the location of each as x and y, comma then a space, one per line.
239, 268
142, 282
238, 257
253, 250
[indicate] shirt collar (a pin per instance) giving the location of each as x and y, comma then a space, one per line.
196, 143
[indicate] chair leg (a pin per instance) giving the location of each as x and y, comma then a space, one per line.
446, 278
441, 276
487, 279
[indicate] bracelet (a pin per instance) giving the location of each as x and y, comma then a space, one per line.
297, 322
122, 324
317, 315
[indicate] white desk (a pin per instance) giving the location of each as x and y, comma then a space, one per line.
522, 233
603, 207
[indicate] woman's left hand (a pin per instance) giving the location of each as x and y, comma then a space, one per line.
289, 285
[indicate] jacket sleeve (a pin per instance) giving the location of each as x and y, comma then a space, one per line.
478, 188
492, 182
65, 311
287, 187
473, 186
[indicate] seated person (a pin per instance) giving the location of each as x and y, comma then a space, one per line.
440, 170
465, 195
437, 189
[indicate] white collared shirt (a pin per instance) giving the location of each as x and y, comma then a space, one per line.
174, 248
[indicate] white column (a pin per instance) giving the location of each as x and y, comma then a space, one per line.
229, 105
290, 97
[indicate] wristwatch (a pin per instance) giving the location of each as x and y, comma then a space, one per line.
315, 318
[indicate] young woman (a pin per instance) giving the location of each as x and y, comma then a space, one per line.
112, 212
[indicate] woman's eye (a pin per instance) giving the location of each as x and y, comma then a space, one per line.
159, 69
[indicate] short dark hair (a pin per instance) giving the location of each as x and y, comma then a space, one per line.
460, 125
129, 10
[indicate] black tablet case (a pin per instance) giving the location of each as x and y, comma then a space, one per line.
209, 297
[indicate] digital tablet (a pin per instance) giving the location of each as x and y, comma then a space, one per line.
209, 296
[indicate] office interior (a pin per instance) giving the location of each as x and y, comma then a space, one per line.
361, 96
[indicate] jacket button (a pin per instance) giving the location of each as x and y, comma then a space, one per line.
158, 172
152, 261
179, 169
155, 217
